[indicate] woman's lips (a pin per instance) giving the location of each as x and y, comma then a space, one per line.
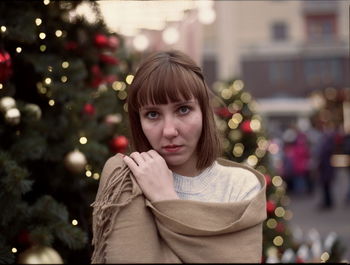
172, 148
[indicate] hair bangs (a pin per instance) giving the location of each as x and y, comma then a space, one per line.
170, 83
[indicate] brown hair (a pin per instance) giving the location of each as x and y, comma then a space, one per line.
172, 76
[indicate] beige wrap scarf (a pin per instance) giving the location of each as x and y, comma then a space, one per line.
127, 228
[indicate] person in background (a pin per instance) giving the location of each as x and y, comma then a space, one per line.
325, 168
173, 199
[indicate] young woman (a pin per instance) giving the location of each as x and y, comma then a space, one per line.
173, 199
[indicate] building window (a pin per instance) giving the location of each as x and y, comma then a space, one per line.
320, 27
322, 71
280, 72
279, 31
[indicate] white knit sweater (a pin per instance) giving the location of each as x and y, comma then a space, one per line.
218, 183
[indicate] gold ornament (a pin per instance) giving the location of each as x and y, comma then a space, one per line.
13, 116
75, 161
34, 110
7, 103
40, 255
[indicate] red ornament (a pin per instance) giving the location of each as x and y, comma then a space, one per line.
108, 59
5, 66
299, 260
223, 112
280, 228
110, 79
119, 144
113, 42
71, 45
101, 40
97, 76
24, 238
246, 127
270, 206
89, 109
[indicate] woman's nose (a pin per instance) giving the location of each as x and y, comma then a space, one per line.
170, 128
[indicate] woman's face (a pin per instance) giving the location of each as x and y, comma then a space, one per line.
173, 130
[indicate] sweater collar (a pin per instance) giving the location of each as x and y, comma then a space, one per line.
197, 183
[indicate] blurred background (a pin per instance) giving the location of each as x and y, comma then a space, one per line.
280, 69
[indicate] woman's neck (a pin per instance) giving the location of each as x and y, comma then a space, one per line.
188, 170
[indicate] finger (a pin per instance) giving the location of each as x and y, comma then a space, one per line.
137, 158
153, 153
131, 164
146, 156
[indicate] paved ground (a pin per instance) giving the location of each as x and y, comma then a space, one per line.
306, 214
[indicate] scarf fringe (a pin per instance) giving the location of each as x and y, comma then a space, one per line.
107, 206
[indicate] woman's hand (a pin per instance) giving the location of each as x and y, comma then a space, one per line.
152, 174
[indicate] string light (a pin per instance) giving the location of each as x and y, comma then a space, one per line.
260, 152
226, 93
3, 29
96, 176
65, 64
122, 95
18, 49
49, 68
42, 48
237, 117
83, 140
14, 250
278, 241
47, 80
51, 102
324, 257
42, 35
279, 211
88, 173
238, 85
255, 125
262, 143
288, 215
226, 144
118, 85
238, 149
246, 97
285, 201
58, 33
273, 148
252, 160
46, 2
1, 86
277, 181
237, 104
74, 222
271, 223
38, 21
232, 124
64, 79
129, 79
235, 135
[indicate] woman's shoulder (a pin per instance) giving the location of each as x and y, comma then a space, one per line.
113, 163
244, 172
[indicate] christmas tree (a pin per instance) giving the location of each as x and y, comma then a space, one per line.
62, 99
245, 141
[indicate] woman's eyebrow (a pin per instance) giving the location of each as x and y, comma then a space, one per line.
184, 102
149, 107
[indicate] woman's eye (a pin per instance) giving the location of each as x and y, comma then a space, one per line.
184, 110
152, 115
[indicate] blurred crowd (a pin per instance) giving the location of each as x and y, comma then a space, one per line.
308, 160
